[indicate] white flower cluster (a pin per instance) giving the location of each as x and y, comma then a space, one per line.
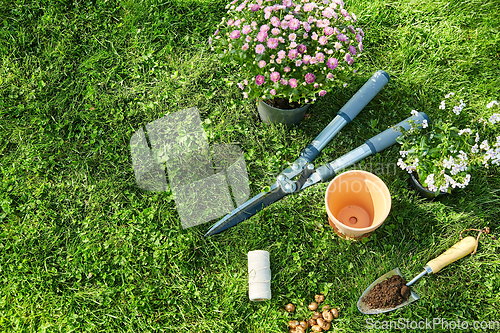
458, 108
494, 118
449, 181
491, 155
442, 106
456, 165
491, 104
465, 130
408, 167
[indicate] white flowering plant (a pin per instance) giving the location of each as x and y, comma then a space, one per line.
442, 155
294, 50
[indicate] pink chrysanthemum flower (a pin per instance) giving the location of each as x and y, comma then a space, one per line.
352, 49
329, 76
294, 24
259, 49
322, 93
348, 58
287, 69
320, 57
246, 29
310, 78
259, 80
309, 6
360, 47
261, 36
264, 28
292, 37
292, 54
302, 48
281, 54
275, 76
275, 21
272, 43
275, 31
342, 38
262, 64
284, 25
306, 59
292, 83
235, 34
245, 47
328, 12
307, 26
328, 31
298, 63
284, 82
359, 38
272, 92
323, 40
255, 7
332, 63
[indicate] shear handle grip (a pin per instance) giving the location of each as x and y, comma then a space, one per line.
388, 137
364, 95
457, 251
347, 113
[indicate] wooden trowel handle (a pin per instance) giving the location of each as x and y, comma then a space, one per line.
457, 251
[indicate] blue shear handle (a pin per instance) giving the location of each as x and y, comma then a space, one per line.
350, 110
364, 95
389, 136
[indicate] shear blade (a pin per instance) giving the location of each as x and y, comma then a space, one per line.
247, 210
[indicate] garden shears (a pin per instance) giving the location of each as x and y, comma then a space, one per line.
284, 184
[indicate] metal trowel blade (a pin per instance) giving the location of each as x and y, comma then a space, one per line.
364, 308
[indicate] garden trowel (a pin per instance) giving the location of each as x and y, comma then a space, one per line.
457, 251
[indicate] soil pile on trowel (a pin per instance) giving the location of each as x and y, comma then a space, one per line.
388, 293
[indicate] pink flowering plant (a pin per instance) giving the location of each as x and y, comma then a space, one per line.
295, 50
442, 155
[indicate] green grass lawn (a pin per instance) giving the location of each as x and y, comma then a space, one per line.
82, 248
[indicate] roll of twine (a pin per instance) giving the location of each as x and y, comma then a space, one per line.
259, 276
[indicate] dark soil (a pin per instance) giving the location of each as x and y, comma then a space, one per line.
283, 104
388, 293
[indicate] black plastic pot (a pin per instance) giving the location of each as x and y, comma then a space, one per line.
422, 191
269, 114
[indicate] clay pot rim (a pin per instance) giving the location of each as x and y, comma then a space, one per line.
384, 189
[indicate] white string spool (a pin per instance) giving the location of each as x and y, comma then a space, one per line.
259, 276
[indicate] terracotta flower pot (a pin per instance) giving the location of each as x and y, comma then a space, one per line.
357, 202
421, 190
270, 114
